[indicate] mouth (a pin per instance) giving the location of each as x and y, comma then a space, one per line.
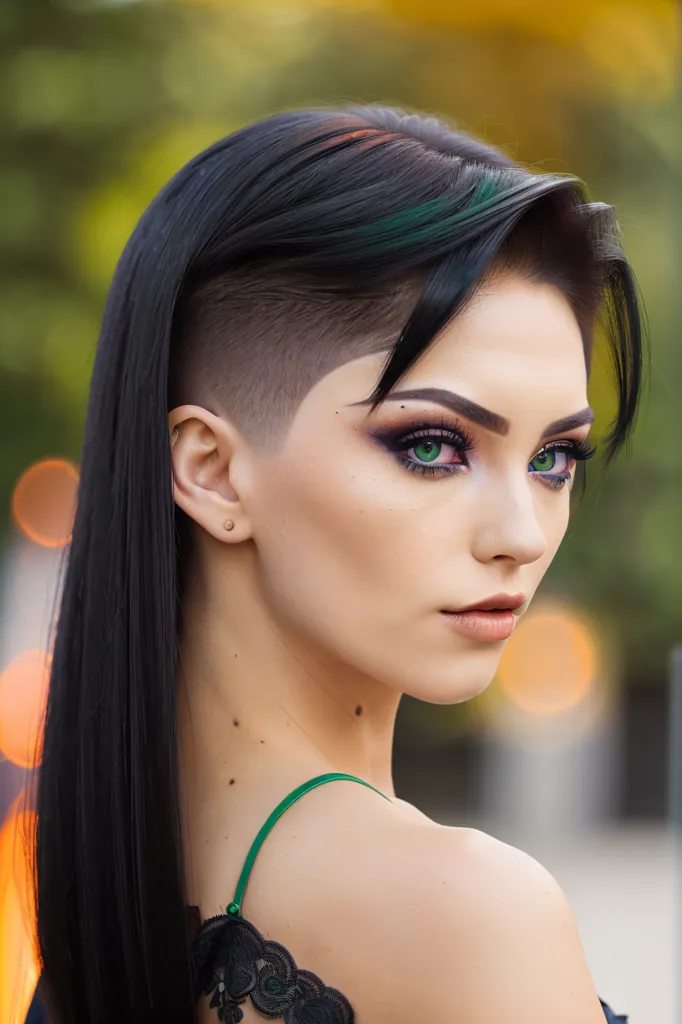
489, 620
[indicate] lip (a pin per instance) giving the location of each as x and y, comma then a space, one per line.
498, 602
490, 620
488, 626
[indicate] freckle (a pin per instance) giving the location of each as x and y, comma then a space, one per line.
358, 710
235, 721
232, 782
236, 655
262, 741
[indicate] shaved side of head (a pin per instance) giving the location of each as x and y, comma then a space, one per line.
251, 344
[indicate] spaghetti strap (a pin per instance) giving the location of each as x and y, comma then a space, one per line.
232, 961
234, 908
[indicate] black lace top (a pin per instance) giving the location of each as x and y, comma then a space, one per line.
233, 962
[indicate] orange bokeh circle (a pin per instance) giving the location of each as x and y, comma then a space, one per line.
19, 966
550, 663
44, 501
23, 693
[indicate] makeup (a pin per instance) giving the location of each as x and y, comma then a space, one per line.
486, 626
429, 438
419, 443
490, 620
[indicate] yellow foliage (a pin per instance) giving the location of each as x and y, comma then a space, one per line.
567, 20
635, 44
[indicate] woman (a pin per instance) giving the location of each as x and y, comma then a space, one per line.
338, 403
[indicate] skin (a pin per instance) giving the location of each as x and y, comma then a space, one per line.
306, 622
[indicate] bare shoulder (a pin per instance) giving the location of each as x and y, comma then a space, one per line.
487, 934
413, 920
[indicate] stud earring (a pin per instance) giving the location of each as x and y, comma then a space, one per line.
229, 524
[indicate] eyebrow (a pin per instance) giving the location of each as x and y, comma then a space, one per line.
576, 419
479, 414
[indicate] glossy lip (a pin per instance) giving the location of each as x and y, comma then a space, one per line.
498, 602
483, 625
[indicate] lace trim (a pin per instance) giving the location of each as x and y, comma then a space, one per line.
233, 962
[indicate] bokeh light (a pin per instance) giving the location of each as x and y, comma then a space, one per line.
23, 692
18, 948
550, 662
44, 501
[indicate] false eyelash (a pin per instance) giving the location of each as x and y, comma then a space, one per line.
577, 451
397, 441
580, 451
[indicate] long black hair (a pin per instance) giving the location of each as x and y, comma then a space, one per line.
340, 199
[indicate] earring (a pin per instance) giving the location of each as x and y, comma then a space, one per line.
229, 524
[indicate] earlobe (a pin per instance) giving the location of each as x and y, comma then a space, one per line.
203, 448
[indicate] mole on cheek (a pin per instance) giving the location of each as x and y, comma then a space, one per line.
358, 710
235, 721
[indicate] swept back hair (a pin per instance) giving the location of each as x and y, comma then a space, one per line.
345, 203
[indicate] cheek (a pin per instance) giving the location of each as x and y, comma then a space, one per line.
353, 554
356, 558
335, 533
553, 513
357, 576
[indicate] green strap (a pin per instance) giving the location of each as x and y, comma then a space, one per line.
234, 908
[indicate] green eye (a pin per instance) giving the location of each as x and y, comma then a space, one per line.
542, 462
427, 451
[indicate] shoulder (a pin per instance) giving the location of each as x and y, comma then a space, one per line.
494, 937
410, 918
469, 928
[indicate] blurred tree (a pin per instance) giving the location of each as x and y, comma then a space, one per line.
79, 84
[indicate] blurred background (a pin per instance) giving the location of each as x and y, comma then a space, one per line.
568, 753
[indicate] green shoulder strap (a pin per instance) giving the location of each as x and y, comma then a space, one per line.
234, 908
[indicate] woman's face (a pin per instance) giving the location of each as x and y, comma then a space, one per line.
372, 528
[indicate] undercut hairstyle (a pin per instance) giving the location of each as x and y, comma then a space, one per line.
250, 345
277, 254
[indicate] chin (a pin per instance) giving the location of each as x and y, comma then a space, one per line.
455, 681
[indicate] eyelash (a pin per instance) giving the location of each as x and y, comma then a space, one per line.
576, 451
397, 441
426, 430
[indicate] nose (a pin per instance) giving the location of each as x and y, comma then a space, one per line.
507, 526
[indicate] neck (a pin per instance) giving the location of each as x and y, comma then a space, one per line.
258, 703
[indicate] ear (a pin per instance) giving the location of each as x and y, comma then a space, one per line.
207, 454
